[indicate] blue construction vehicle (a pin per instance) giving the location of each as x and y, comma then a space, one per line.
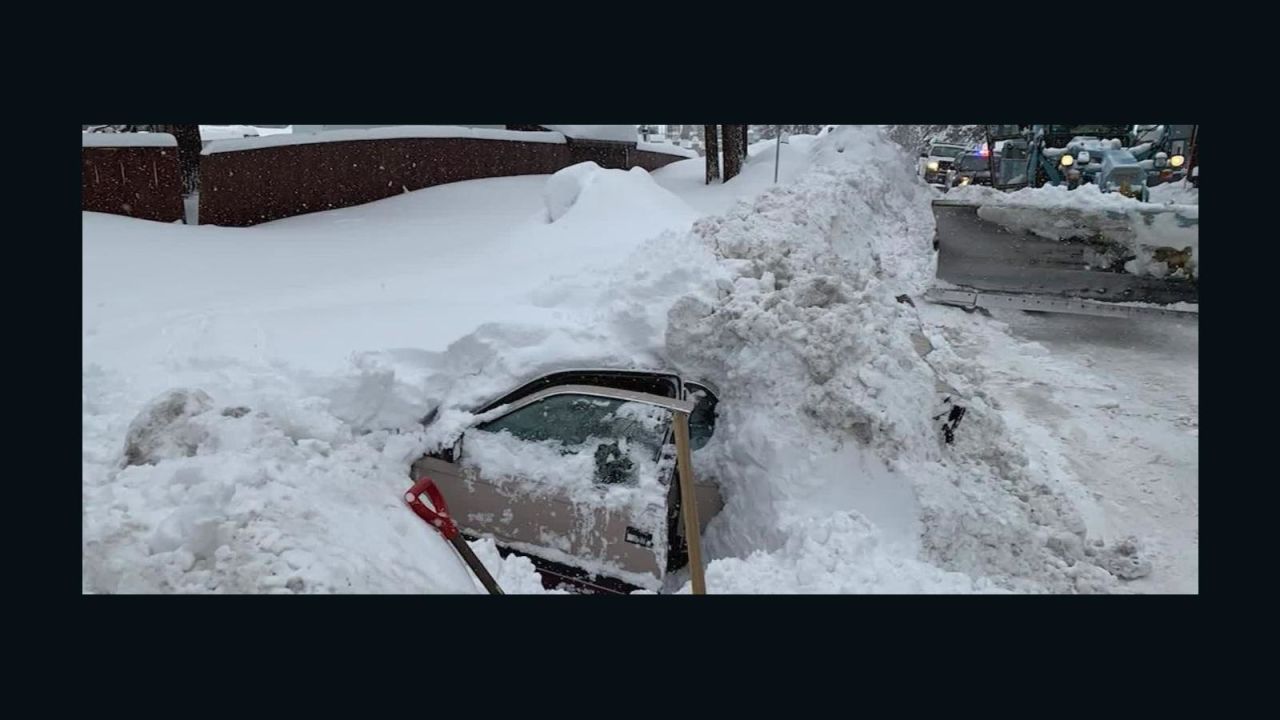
1047, 253
1117, 158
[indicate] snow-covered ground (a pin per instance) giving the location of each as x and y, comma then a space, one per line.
1116, 402
311, 346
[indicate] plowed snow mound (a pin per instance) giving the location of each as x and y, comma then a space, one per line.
834, 474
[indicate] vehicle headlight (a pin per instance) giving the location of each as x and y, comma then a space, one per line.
964, 180
1177, 160
933, 165
1066, 160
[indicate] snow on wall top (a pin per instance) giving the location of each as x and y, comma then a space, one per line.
230, 132
385, 133
142, 139
614, 133
666, 148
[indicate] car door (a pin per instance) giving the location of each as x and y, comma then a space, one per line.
573, 474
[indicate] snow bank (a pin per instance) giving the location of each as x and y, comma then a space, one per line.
139, 139
1175, 193
385, 133
587, 193
840, 553
614, 133
687, 178
564, 186
301, 492
833, 472
281, 498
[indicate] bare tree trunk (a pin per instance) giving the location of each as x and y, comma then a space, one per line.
732, 151
189, 146
746, 140
712, 142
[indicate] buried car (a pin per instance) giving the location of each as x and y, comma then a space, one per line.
577, 471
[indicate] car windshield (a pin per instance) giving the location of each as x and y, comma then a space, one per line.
947, 151
573, 439
973, 162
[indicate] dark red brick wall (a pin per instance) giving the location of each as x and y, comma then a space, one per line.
141, 182
247, 187
652, 160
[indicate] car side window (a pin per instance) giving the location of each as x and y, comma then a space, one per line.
612, 441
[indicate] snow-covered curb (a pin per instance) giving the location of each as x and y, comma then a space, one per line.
387, 133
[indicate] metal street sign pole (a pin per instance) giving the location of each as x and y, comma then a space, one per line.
777, 153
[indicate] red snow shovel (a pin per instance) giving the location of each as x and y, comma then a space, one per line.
440, 520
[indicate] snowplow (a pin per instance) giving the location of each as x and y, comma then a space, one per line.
1117, 158
1070, 236
1052, 253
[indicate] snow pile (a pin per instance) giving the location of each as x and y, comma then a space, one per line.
606, 197
1085, 197
1175, 193
687, 178
823, 387
840, 553
564, 187
825, 448
281, 498
274, 453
